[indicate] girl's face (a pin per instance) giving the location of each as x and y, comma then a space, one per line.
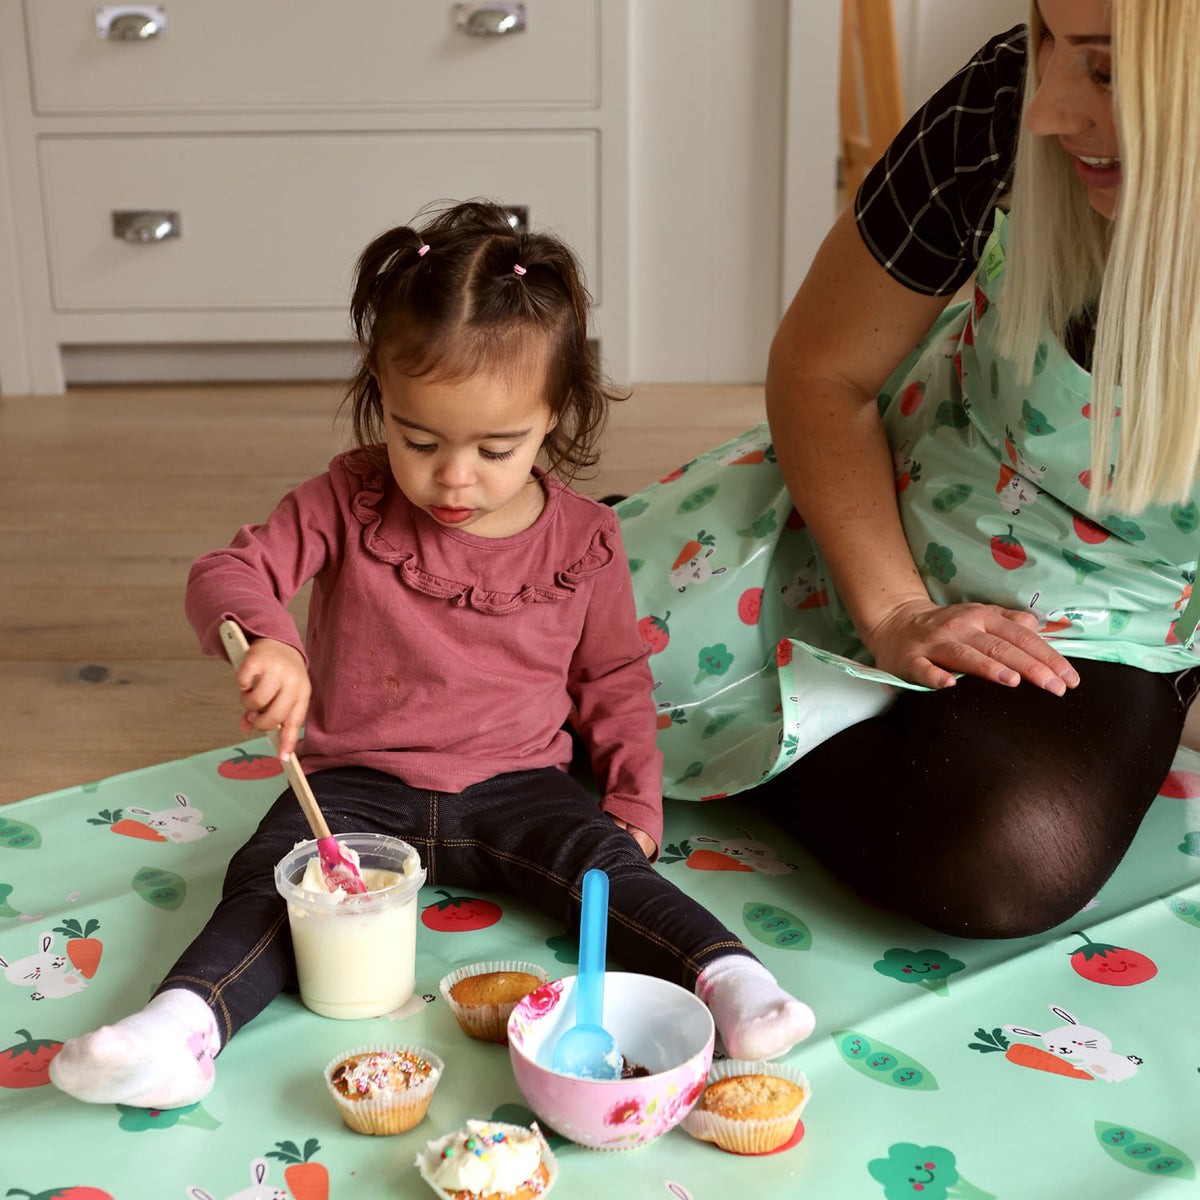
1073, 101
462, 450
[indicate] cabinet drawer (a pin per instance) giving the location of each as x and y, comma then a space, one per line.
224, 55
277, 221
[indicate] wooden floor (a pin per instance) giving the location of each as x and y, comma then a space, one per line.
108, 494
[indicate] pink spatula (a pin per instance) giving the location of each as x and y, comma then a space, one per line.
337, 870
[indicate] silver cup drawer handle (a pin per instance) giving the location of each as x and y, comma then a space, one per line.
489, 20
131, 22
143, 226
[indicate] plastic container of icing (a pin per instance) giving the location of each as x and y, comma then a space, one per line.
355, 954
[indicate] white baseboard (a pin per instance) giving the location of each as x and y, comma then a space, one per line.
222, 363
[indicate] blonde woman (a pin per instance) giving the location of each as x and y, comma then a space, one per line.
966, 530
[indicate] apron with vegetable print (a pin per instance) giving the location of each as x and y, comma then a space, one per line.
754, 658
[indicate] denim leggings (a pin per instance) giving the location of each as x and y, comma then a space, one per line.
531, 833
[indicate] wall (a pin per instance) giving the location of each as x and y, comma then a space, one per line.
707, 105
721, 228
935, 37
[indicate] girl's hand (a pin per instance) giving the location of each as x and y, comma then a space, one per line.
924, 642
640, 836
275, 691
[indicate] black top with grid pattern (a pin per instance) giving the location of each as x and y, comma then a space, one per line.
925, 208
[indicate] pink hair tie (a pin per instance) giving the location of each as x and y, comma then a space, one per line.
518, 269
423, 250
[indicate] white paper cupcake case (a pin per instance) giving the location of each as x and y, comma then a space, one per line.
486, 1021
747, 1137
390, 1114
427, 1159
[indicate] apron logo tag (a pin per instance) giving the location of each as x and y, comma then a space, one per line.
993, 260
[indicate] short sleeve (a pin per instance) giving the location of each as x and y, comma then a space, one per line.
925, 208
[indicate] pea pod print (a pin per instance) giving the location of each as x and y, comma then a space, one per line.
1143, 1152
1185, 909
949, 498
1185, 517
163, 889
883, 1063
776, 927
698, 499
17, 835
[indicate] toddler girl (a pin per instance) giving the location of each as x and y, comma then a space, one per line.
464, 604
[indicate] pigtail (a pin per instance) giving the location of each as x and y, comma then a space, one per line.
379, 276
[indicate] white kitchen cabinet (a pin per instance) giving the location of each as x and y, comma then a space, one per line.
268, 143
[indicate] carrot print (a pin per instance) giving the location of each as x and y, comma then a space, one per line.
692, 548
83, 950
305, 1180
714, 860
125, 826
1024, 1055
1056, 625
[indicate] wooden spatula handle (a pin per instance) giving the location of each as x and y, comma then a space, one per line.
234, 641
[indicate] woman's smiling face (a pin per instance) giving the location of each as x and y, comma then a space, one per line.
1074, 101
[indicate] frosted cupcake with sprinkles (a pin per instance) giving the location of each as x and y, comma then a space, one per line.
383, 1089
489, 1160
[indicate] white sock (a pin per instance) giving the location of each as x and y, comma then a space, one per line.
161, 1057
755, 1018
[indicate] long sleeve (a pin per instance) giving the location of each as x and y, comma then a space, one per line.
610, 683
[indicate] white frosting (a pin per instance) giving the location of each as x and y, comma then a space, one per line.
313, 879
488, 1165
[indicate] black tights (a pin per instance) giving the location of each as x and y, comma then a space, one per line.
987, 811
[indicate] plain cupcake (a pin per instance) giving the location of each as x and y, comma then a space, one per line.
383, 1089
489, 1160
482, 995
749, 1107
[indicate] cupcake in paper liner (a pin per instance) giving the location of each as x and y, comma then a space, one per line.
383, 1089
749, 1107
481, 996
489, 1160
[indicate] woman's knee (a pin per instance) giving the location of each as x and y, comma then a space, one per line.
1021, 872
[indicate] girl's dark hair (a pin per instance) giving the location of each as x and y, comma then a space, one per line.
459, 309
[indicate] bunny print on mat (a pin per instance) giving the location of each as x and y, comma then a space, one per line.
180, 824
758, 856
1084, 1047
50, 975
259, 1189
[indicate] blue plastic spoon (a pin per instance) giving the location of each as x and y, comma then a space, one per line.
588, 1049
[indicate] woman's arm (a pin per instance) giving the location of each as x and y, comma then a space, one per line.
848, 327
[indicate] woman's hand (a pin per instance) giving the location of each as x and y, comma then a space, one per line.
275, 691
640, 836
924, 642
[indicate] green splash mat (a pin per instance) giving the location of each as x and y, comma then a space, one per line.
920, 1089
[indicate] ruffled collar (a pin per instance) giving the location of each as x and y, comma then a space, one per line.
394, 531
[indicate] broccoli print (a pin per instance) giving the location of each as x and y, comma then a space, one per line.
928, 968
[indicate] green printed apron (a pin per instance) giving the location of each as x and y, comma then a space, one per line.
754, 658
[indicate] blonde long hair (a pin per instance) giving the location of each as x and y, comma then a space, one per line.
1142, 267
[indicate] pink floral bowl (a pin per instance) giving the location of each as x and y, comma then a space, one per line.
656, 1024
